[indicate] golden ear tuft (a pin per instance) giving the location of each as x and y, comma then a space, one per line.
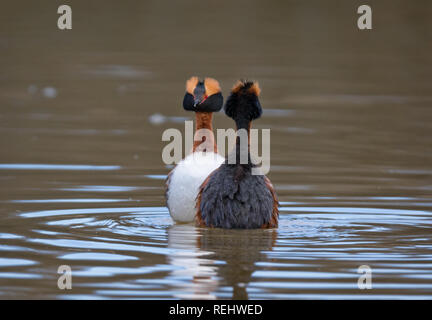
191, 84
246, 87
237, 86
255, 89
211, 86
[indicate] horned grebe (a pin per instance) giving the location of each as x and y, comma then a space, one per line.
183, 182
232, 197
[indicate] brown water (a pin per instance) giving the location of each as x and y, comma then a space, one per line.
81, 175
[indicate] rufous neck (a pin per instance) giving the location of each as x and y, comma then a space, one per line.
204, 139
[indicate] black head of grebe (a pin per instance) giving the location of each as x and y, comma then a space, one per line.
243, 105
232, 197
202, 95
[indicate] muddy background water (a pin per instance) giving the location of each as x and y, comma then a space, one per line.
81, 175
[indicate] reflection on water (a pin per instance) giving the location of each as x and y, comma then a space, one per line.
209, 259
237, 251
193, 265
81, 175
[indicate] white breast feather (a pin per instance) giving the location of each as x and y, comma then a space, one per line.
185, 180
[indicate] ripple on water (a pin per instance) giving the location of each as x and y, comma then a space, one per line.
98, 256
35, 166
315, 249
9, 262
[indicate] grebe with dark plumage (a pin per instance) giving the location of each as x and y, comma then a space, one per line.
232, 197
183, 182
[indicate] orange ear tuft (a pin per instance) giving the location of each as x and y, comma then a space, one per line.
237, 86
211, 86
246, 86
191, 84
255, 89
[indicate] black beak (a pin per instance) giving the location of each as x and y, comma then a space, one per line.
198, 99
199, 94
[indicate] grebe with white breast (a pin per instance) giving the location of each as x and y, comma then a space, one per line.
183, 182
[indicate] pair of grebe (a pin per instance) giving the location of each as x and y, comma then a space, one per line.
204, 187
